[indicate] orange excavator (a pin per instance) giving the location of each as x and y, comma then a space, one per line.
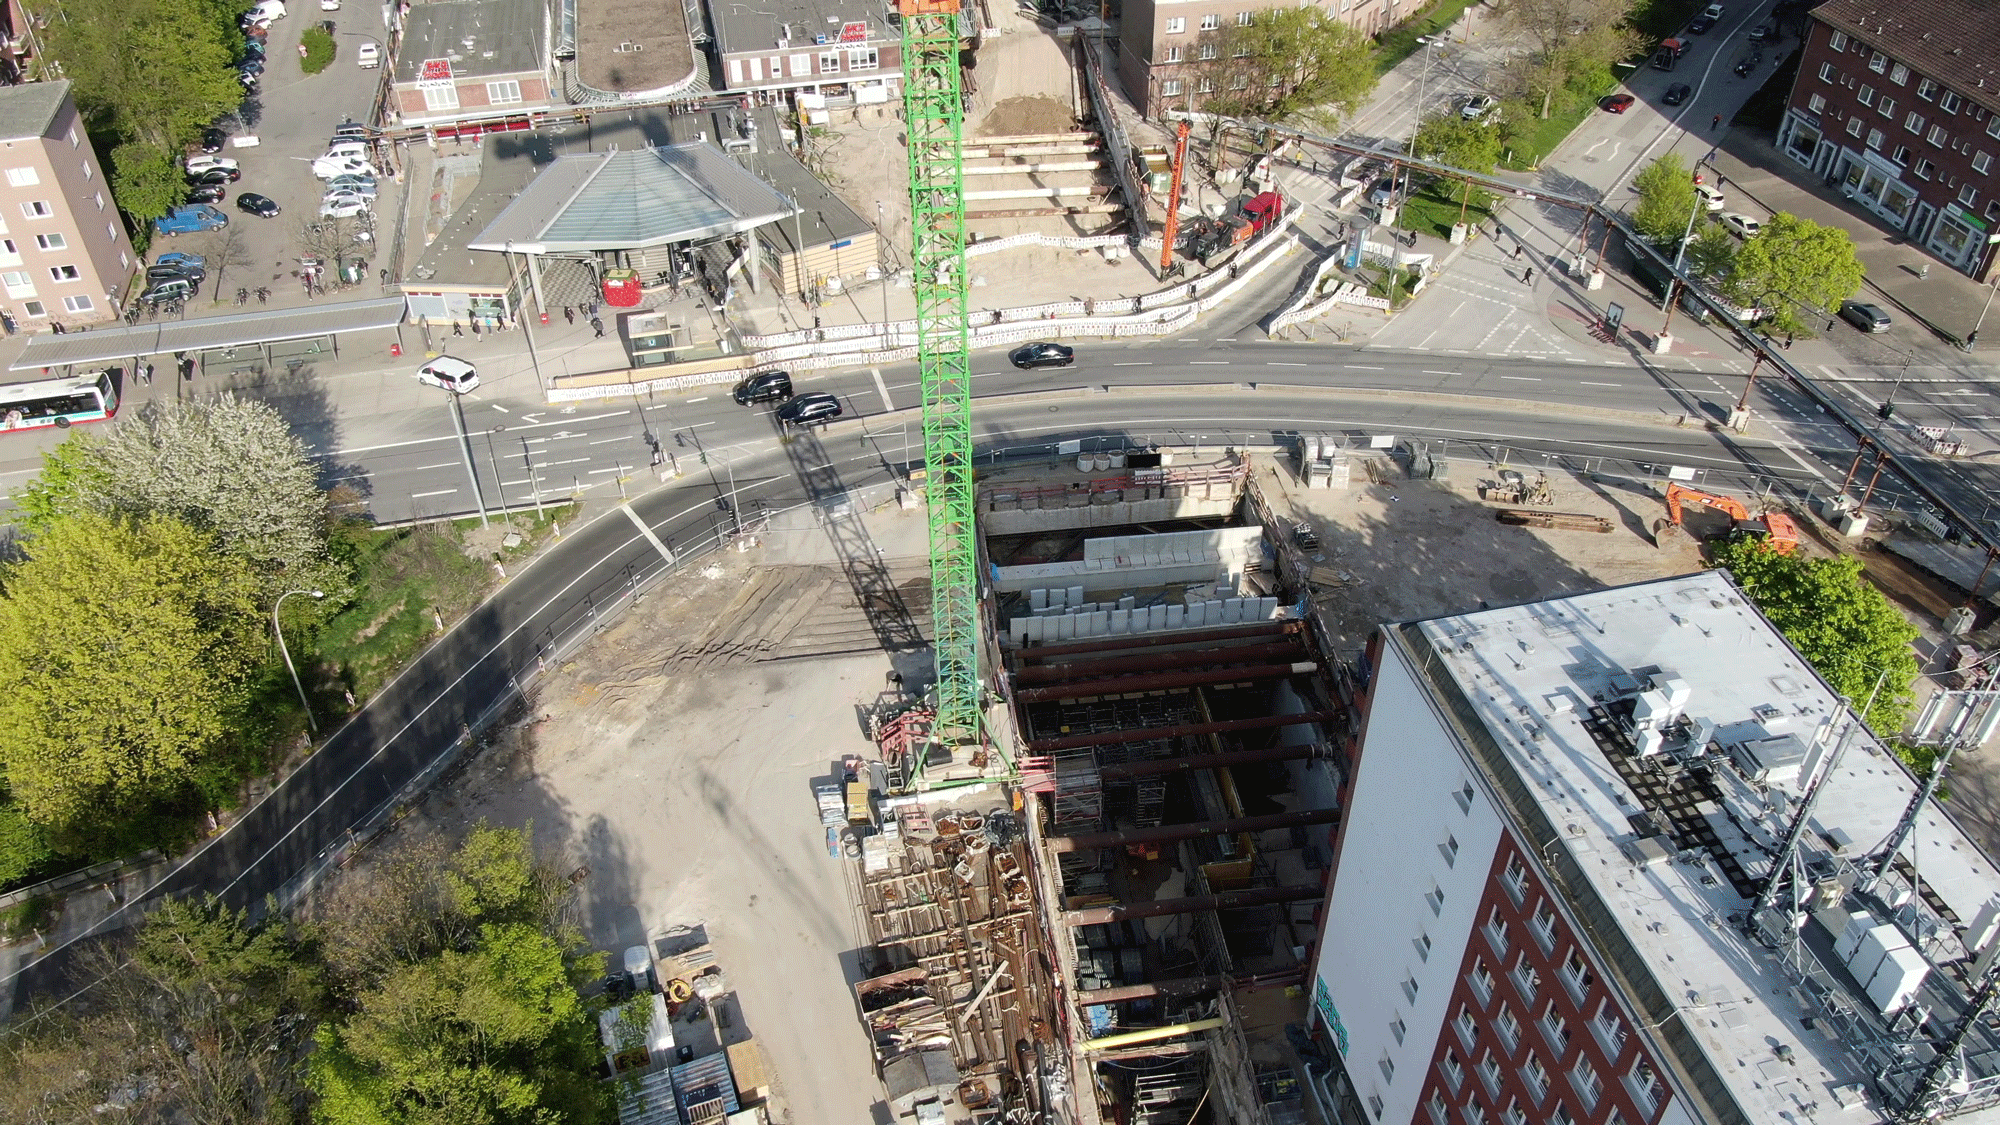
1776, 529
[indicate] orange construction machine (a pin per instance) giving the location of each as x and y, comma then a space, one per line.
1775, 528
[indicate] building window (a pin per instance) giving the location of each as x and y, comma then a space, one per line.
1454, 1071
829, 62
1473, 1114
1545, 927
1489, 1072
1527, 979
100, 201
1516, 878
505, 93
440, 97
1398, 1028
1509, 1027
1176, 25
1410, 987
1496, 931
78, 304
1644, 1083
1438, 1108
1482, 981
1449, 849
1423, 944
1900, 75
65, 273
37, 209
1837, 41
10, 255
1936, 136
1204, 86
1375, 1105
1992, 210
1949, 103
1173, 54
801, 64
1211, 21
18, 283
1924, 169
1878, 62
1576, 975
1981, 162
1826, 72
1512, 1115
1468, 1028
1388, 1066
1243, 19
1555, 1028
52, 242
1816, 103
73, 141
1171, 88
1927, 89
1537, 1077
1206, 52
1609, 1029
1855, 125
1583, 1079
34, 309
1887, 108
1560, 1115
1875, 139
1239, 82
1914, 122
1967, 194
1435, 899
864, 58
1464, 794
23, 177
1866, 95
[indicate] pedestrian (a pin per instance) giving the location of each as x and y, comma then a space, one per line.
146, 374
1788, 341
456, 330
1829, 324
569, 314
1971, 338
1517, 251
1528, 276
597, 326
1715, 122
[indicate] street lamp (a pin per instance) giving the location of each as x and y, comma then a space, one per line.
279, 630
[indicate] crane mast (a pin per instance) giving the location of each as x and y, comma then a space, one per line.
934, 121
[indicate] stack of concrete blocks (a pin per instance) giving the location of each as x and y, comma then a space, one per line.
1202, 558
1323, 461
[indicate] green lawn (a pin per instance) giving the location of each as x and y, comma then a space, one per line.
1435, 209
1400, 42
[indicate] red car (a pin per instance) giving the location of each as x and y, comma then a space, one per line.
1616, 103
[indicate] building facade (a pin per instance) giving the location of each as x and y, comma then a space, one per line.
826, 48
1164, 44
1898, 106
1548, 894
473, 64
64, 255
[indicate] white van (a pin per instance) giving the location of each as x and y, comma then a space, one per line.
449, 373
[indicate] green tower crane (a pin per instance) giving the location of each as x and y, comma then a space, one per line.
934, 120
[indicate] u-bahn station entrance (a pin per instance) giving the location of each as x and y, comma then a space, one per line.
258, 343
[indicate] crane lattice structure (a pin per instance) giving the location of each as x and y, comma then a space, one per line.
934, 119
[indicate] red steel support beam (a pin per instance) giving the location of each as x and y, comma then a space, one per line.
1180, 986
1170, 832
1163, 680
1228, 900
1160, 640
1148, 734
1154, 661
1127, 770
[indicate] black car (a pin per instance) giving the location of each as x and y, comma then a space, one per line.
207, 193
765, 386
262, 206
1700, 25
212, 141
817, 406
1677, 93
169, 289
253, 64
1043, 354
214, 176
192, 274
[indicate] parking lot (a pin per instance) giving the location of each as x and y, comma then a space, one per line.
291, 116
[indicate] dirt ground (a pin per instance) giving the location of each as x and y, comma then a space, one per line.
1024, 116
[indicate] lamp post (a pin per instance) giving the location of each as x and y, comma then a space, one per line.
278, 629
1423, 81
1972, 337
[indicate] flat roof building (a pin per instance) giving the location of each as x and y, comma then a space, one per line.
65, 258
1560, 822
473, 60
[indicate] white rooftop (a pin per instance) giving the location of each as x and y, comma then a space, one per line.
1534, 671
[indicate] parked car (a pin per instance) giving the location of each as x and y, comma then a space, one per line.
1616, 103
168, 289
1741, 225
333, 167
449, 373
1477, 105
1862, 315
363, 186
1382, 191
262, 206
157, 273
212, 141
1762, 32
207, 193
329, 5
204, 163
1710, 196
265, 13
1700, 25
252, 65
1043, 354
182, 265
214, 176
342, 207
765, 386
806, 409
1713, 12
368, 56
191, 218
347, 132
1677, 93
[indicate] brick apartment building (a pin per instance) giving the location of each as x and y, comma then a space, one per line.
835, 48
64, 255
1900, 105
473, 63
1162, 43
1549, 902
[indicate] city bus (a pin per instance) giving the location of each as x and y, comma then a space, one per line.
57, 402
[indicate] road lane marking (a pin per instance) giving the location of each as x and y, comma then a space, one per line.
882, 389
439, 465
1208, 363
703, 398
439, 492
1428, 371
1588, 383
648, 533
1146, 363
1521, 378
1361, 367
1282, 363
499, 407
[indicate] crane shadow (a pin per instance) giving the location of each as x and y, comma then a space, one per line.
861, 560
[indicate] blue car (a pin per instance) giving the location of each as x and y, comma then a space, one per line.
191, 219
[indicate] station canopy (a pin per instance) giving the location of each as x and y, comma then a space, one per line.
116, 345
633, 199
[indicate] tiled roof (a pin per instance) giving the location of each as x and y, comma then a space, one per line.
1956, 42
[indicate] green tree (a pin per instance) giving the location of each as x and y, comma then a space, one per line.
228, 466
23, 844
1287, 62
1711, 254
155, 72
145, 180
1571, 46
1838, 622
125, 649
1796, 269
1666, 201
1474, 146
319, 49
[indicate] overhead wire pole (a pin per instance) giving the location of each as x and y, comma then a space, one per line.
934, 118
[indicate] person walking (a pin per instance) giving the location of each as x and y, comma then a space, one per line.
1715, 123
569, 314
597, 326
1528, 276
1517, 251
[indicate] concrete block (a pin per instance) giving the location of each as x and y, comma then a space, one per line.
1212, 611
1058, 597
1127, 602
1267, 608
1075, 595
1121, 621
1065, 627
1038, 599
1176, 615
1101, 623
1156, 616
1232, 611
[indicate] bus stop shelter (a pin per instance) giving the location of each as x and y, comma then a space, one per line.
251, 342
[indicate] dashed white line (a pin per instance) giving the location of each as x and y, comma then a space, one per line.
1208, 363
439, 465
703, 398
1281, 363
1521, 378
1135, 363
1587, 383
1361, 367
1428, 371
439, 492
